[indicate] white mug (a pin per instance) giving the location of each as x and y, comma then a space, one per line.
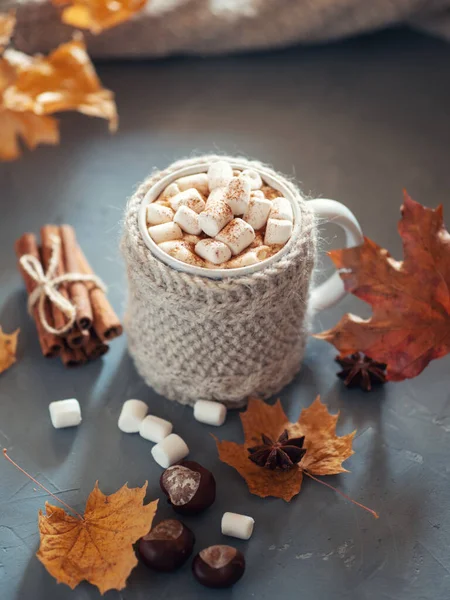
224, 334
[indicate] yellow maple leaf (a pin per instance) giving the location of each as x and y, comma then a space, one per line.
98, 15
8, 347
98, 546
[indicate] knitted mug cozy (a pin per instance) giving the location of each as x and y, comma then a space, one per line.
195, 338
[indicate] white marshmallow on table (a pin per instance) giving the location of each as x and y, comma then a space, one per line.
155, 429
165, 232
237, 235
65, 413
190, 198
254, 177
157, 214
251, 257
132, 414
257, 212
217, 194
170, 450
237, 195
213, 251
278, 231
215, 217
238, 526
187, 219
220, 174
178, 249
198, 181
211, 413
281, 209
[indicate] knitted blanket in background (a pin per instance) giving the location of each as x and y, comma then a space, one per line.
168, 27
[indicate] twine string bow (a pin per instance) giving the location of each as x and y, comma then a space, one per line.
48, 284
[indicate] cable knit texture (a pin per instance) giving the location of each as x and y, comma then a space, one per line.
195, 338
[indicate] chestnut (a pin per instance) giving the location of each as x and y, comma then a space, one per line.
189, 487
167, 546
218, 566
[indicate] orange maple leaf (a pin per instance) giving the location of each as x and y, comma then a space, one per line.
7, 25
325, 451
97, 547
31, 128
410, 325
8, 348
32, 88
98, 15
64, 80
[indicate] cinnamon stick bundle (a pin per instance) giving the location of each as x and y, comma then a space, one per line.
73, 357
95, 320
51, 344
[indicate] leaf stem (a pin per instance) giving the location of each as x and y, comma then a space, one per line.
5, 454
376, 515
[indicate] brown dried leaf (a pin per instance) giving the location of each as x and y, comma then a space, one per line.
324, 456
410, 325
8, 347
7, 25
98, 548
98, 15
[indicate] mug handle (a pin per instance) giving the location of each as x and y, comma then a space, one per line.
332, 290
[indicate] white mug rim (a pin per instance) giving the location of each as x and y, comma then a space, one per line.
157, 188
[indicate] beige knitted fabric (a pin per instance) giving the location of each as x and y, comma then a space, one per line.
172, 27
197, 338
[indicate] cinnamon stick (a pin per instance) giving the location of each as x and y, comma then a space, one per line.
47, 233
50, 344
106, 323
73, 357
77, 338
78, 291
95, 348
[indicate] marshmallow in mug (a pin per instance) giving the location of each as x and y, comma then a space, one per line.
220, 174
214, 218
257, 211
179, 250
237, 195
190, 198
158, 214
187, 219
220, 218
237, 235
213, 251
199, 181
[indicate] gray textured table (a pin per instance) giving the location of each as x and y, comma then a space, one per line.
356, 122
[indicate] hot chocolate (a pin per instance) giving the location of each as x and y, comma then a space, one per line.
223, 218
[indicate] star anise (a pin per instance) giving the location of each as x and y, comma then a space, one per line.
282, 454
358, 369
